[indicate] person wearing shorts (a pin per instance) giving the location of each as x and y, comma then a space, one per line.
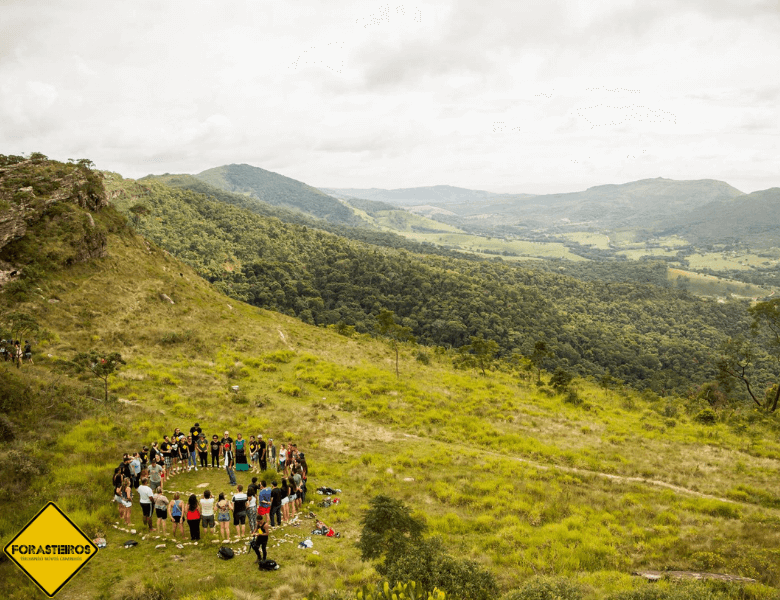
155, 475
263, 500
161, 510
223, 516
239, 511
207, 512
175, 509
145, 494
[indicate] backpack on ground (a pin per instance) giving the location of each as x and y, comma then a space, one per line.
225, 553
268, 565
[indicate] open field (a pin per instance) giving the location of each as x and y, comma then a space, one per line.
702, 284
475, 243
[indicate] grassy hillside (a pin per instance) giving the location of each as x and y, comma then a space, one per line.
508, 474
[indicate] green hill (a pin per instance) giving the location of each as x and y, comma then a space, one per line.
521, 479
748, 220
278, 190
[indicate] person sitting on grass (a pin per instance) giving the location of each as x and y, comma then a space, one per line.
175, 509
223, 516
161, 510
207, 512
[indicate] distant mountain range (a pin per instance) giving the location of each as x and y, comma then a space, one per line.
702, 211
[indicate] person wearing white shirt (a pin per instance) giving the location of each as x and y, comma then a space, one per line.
145, 494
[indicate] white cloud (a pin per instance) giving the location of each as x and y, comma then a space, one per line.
356, 93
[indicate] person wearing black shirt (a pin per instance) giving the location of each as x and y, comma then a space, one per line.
192, 454
165, 448
261, 449
276, 504
195, 431
215, 446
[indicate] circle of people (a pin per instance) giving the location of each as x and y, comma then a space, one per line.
259, 506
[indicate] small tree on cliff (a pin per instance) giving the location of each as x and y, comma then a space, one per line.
101, 365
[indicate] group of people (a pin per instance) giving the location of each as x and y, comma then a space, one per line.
255, 510
12, 350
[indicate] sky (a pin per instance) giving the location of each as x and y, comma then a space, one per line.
499, 95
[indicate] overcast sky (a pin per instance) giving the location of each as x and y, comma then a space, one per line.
502, 95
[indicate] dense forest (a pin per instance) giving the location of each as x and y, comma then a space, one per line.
642, 333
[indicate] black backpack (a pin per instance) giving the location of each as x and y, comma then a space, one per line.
268, 565
225, 553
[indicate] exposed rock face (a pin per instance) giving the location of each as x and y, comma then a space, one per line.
31, 194
29, 187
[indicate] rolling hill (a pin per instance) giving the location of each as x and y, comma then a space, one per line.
278, 190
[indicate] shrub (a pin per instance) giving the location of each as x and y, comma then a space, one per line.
546, 588
706, 417
422, 357
7, 429
426, 562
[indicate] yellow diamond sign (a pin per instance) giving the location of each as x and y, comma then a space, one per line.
51, 549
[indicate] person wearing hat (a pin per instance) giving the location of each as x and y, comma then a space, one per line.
202, 446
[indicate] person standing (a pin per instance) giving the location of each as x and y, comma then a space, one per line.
215, 446
165, 449
260, 543
155, 475
271, 454
239, 501
28, 352
253, 457
195, 431
176, 508
193, 455
18, 354
193, 517
282, 458
126, 500
251, 508
161, 510
263, 500
207, 511
145, 494
261, 451
223, 516
276, 504
202, 446
230, 464
135, 466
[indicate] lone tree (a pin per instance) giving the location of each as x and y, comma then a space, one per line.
100, 365
387, 526
21, 324
736, 360
394, 332
537, 356
139, 210
479, 353
766, 326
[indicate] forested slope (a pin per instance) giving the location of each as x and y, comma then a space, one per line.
279, 190
644, 334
